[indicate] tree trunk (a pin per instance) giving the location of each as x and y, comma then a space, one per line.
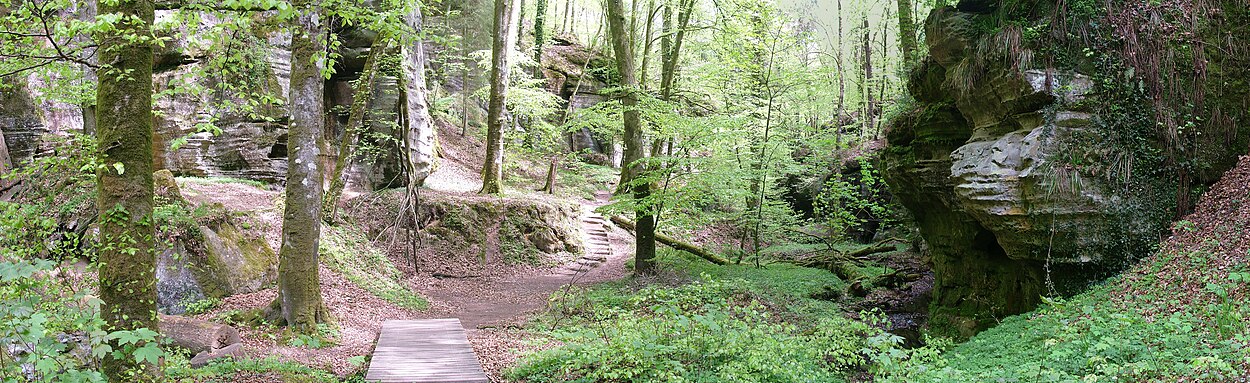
550, 187
646, 44
419, 135
869, 110
906, 31
675, 243
644, 254
197, 335
841, 81
362, 99
671, 58
299, 303
540, 35
127, 257
492, 171
6, 164
464, 80
518, 25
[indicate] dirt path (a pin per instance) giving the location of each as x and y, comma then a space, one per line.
492, 308
506, 302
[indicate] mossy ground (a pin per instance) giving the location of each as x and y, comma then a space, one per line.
346, 250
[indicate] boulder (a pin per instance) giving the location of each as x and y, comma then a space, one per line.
215, 261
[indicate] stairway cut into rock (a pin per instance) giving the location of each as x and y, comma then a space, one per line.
597, 248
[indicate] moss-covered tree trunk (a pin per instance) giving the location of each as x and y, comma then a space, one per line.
419, 137
540, 34
906, 31
124, 132
870, 113
299, 302
496, 118
361, 101
644, 253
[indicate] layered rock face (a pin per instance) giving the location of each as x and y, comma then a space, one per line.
980, 162
247, 145
573, 73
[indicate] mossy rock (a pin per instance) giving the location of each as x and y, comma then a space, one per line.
215, 261
235, 262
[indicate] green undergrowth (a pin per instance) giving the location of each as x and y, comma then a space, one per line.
1094, 337
583, 180
711, 324
225, 180
346, 251
178, 369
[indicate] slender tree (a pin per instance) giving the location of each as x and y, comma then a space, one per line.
419, 136
299, 303
906, 31
5, 163
648, 42
644, 253
870, 112
540, 34
124, 134
496, 118
671, 54
362, 99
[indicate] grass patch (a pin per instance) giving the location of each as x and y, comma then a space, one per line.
1092, 337
178, 369
728, 324
783, 282
348, 252
224, 180
582, 180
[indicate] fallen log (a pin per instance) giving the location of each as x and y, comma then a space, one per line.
197, 335
844, 265
674, 243
202, 359
872, 250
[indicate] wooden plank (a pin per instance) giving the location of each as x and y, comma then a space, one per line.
424, 351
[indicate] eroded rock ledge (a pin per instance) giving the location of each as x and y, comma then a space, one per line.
984, 162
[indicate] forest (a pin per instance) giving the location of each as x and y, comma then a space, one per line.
540, 191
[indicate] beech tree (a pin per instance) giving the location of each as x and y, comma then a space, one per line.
299, 304
127, 258
419, 133
644, 251
496, 112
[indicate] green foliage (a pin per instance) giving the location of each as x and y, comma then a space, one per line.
846, 203
226, 370
1081, 340
740, 324
324, 337
225, 180
52, 326
344, 249
689, 333
55, 190
201, 306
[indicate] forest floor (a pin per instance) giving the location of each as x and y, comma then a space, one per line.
493, 306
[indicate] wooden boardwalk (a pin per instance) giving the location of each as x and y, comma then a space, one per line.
424, 351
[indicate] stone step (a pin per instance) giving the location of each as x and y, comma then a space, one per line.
588, 262
577, 268
596, 257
